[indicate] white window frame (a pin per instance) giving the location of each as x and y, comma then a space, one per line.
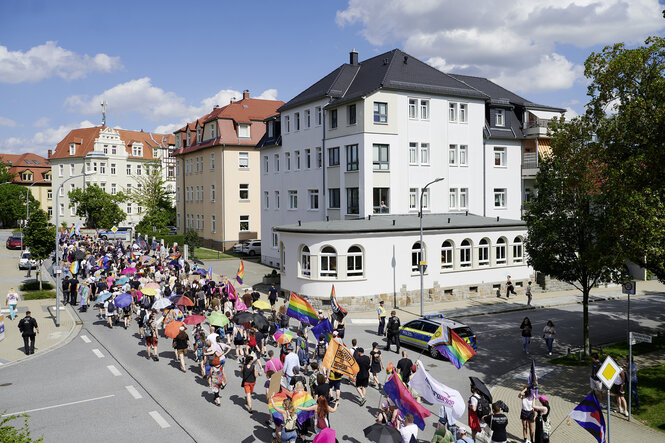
463, 113
463, 155
72, 149
305, 262
276, 161
319, 116
466, 253
500, 118
297, 155
500, 198
447, 255
500, 251
452, 155
452, 112
266, 199
243, 219
243, 188
424, 109
313, 198
416, 257
413, 199
293, 199
243, 160
500, 157
212, 193
287, 156
463, 198
354, 261
61, 170
425, 157
308, 118
266, 164
244, 130
413, 108
212, 161
413, 153
484, 252
276, 199
213, 224
518, 250
328, 262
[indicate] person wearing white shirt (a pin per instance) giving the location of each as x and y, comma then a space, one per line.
290, 361
409, 430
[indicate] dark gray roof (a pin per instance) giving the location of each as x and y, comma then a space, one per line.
276, 139
402, 223
499, 94
392, 70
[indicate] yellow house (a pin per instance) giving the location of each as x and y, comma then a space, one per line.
34, 172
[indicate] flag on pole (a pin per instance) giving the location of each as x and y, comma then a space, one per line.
400, 395
339, 311
71, 231
74, 268
437, 393
209, 274
241, 272
340, 359
301, 310
532, 382
451, 346
324, 327
77, 230
589, 415
233, 295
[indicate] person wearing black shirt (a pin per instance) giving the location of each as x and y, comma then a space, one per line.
73, 290
404, 367
65, 289
29, 329
322, 386
272, 295
362, 377
392, 331
497, 423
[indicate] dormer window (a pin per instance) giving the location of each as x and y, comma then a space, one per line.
213, 130
155, 153
72, 149
271, 129
137, 150
500, 119
243, 130
198, 135
189, 139
26, 176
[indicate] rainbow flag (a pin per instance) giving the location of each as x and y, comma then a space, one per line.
100, 262
71, 231
241, 272
300, 399
74, 268
451, 346
339, 311
301, 310
132, 255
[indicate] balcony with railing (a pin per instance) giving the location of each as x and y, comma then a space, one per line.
536, 126
530, 164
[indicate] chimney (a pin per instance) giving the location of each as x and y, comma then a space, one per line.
353, 58
245, 94
49, 153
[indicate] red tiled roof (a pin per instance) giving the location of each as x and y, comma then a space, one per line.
84, 139
21, 162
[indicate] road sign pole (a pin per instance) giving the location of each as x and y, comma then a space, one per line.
630, 372
608, 416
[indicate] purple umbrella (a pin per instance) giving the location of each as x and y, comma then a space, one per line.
123, 300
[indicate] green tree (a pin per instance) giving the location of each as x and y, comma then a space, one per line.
151, 192
5, 175
9, 433
155, 222
12, 204
192, 240
100, 209
627, 112
40, 239
567, 229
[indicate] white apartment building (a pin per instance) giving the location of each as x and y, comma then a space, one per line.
362, 143
117, 157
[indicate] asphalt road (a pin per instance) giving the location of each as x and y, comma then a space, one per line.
83, 394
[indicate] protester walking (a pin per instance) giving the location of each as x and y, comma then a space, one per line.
526, 329
150, 332
376, 364
29, 330
548, 334
249, 375
181, 346
12, 301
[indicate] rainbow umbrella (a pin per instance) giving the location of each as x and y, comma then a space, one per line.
300, 399
283, 336
173, 315
218, 319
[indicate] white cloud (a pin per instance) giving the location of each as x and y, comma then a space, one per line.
41, 141
48, 60
4, 121
42, 122
154, 103
502, 40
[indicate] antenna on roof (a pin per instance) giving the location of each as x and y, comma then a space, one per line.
104, 113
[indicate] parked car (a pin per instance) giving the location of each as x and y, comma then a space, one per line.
418, 332
172, 230
120, 234
238, 247
26, 261
252, 247
14, 241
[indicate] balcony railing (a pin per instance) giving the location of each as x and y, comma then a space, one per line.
529, 160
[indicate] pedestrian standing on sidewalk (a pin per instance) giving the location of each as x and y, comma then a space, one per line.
526, 329
619, 392
29, 329
528, 294
548, 334
12, 301
527, 414
392, 331
382, 318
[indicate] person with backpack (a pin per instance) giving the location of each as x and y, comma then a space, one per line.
239, 341
289, 434
478, 407
150, 332
302, 349
109, 307
320, 350
322, 412
392, 331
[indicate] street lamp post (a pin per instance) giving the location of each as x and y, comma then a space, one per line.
421, 262
58, 271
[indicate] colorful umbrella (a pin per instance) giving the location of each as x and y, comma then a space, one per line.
184, 301
218, 319
195, 320
240, 306
153, 285
173, 315
261, 304
128, 271
161, 303
121, 281
149, 291
123, 300
283, 336
173, 329
174, 256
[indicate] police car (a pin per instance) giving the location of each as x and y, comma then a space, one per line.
418, 332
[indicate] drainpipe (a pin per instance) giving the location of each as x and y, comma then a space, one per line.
183, 196
323, 159
484, 181
223, 201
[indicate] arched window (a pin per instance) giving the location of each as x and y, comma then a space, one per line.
518, 251
465, 254
328, 262
304, 261
501, 251
416, 258
354, 262
447, 255
484, 253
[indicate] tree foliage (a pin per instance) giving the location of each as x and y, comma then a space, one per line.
150, 192
39, 238
155, 222
12, 204
627, 112
566, 221
100, 209
192, 240
5, 175
10, 433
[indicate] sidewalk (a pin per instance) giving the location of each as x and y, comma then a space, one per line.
565, 388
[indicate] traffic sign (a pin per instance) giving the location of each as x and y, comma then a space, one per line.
608, 371
629, 288
114, 229
636, 337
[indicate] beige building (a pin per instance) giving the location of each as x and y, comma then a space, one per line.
218, 172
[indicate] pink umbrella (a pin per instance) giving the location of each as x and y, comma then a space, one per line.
197, 319
128, 271
240, 306
274, 364
153, 285
326, 435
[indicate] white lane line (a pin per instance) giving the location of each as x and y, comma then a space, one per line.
85, 338
114, 370
159, 419
58, 406
132, 390
98, 353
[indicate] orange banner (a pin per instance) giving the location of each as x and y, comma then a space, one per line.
340, 359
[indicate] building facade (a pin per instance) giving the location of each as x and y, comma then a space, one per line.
218, 178
117, 157
33, 172
366, 139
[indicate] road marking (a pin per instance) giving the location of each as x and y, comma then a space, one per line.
59, 406
85, 338
114, 370
132, 390
159, 419
98, 353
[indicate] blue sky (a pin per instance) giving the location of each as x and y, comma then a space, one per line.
160, 64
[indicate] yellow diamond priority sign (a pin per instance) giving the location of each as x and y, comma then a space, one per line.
114, 229
608, 371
